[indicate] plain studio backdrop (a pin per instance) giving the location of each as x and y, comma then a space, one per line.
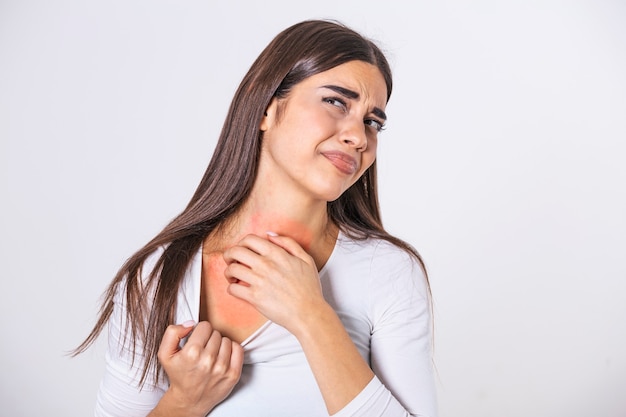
504, 163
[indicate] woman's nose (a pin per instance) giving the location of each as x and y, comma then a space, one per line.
353, 134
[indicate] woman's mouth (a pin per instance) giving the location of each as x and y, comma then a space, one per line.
342, 161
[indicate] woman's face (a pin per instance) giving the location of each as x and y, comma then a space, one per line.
322, 137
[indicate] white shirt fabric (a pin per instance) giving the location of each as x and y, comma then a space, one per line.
380, 294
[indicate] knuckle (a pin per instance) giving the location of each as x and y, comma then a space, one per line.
192, 352
209, 356
208, 362
220, 368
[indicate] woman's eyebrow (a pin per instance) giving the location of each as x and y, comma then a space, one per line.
353, 95
379, 113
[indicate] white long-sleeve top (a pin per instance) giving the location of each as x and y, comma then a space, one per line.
381, 296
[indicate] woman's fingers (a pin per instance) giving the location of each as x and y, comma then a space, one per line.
248, 249
230, 356
204, 345
275, 275
213, 346
254, 253
170, 344
290, 245
204, 371
236, 356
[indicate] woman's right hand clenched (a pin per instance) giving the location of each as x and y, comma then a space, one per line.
201, 374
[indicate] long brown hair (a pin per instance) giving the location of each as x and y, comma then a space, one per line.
298, 52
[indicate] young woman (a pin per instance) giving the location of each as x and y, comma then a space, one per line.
277, 292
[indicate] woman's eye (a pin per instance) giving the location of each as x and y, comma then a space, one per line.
335, 102
378, 126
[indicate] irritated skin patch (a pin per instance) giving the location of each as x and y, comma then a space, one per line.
259, 225
231, 316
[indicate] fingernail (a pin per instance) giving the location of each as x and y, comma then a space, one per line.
189, 323
273, 234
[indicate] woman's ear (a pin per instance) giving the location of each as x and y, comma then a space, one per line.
269, 117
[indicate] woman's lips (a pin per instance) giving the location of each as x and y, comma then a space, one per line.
342, 161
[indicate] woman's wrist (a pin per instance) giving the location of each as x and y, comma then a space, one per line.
312, 320
171, 405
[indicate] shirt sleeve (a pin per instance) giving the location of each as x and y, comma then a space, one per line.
119, 393
401, 343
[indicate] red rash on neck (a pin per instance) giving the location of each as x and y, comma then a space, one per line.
260, 224
231, 315
225, 309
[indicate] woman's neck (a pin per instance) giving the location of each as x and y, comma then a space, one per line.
308, 224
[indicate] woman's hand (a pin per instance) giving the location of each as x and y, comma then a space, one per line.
277, 276
280, 279
202, 373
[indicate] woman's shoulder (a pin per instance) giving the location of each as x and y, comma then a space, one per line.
376, 251
385, 271
145, 276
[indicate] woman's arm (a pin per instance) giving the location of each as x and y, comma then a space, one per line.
199, 375
280, 279
402, 330
340, 371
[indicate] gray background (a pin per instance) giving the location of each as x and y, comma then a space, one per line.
503, 163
